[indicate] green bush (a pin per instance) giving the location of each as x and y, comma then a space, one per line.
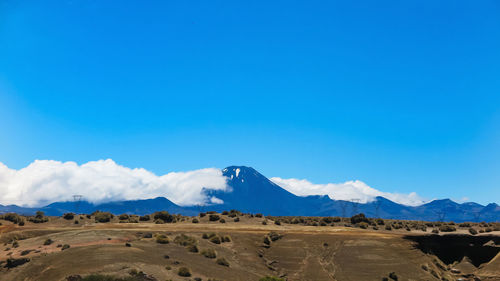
222, 221
236, 219
472, 231
64, 247
209, 253
195, 220
48, 242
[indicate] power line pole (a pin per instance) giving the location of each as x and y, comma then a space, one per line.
355, 203
77, 199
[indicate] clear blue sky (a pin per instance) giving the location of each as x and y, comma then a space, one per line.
404, 95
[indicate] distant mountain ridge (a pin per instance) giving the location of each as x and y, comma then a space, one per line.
250, 191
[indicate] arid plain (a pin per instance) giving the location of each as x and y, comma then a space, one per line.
235, 246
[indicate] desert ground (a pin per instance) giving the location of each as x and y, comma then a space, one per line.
235, 246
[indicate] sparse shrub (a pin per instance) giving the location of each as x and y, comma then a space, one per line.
168, 267
447, 228
144, 218
264, 222
222, 261
208, 235
222, 221
21, 223
39, 218
435, 231
11, 263
192, 248
15, 244
226, 238
472, 231
64, 247
488, 229
213, 217
48, 242
236, 219
162, 239
102, 216
147, 235
215, 240
164, 216
388, 227
25, 252
267, 241
128, 245
159, 221
76, 222
124, 217
393, 276
184, 272
379, 221
68, 216
363, 225
359, 218
258, 215
185, 240
202, 215
225, 213
209, 253
12, 217
271, 278
195, 220
274, 236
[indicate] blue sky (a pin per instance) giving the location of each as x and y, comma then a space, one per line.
403, 95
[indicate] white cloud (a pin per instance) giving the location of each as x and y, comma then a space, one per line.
47, 181
345, 191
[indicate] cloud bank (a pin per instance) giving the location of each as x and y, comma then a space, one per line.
345, 191
47, 181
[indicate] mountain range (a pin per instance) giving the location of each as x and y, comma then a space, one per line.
251, 192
